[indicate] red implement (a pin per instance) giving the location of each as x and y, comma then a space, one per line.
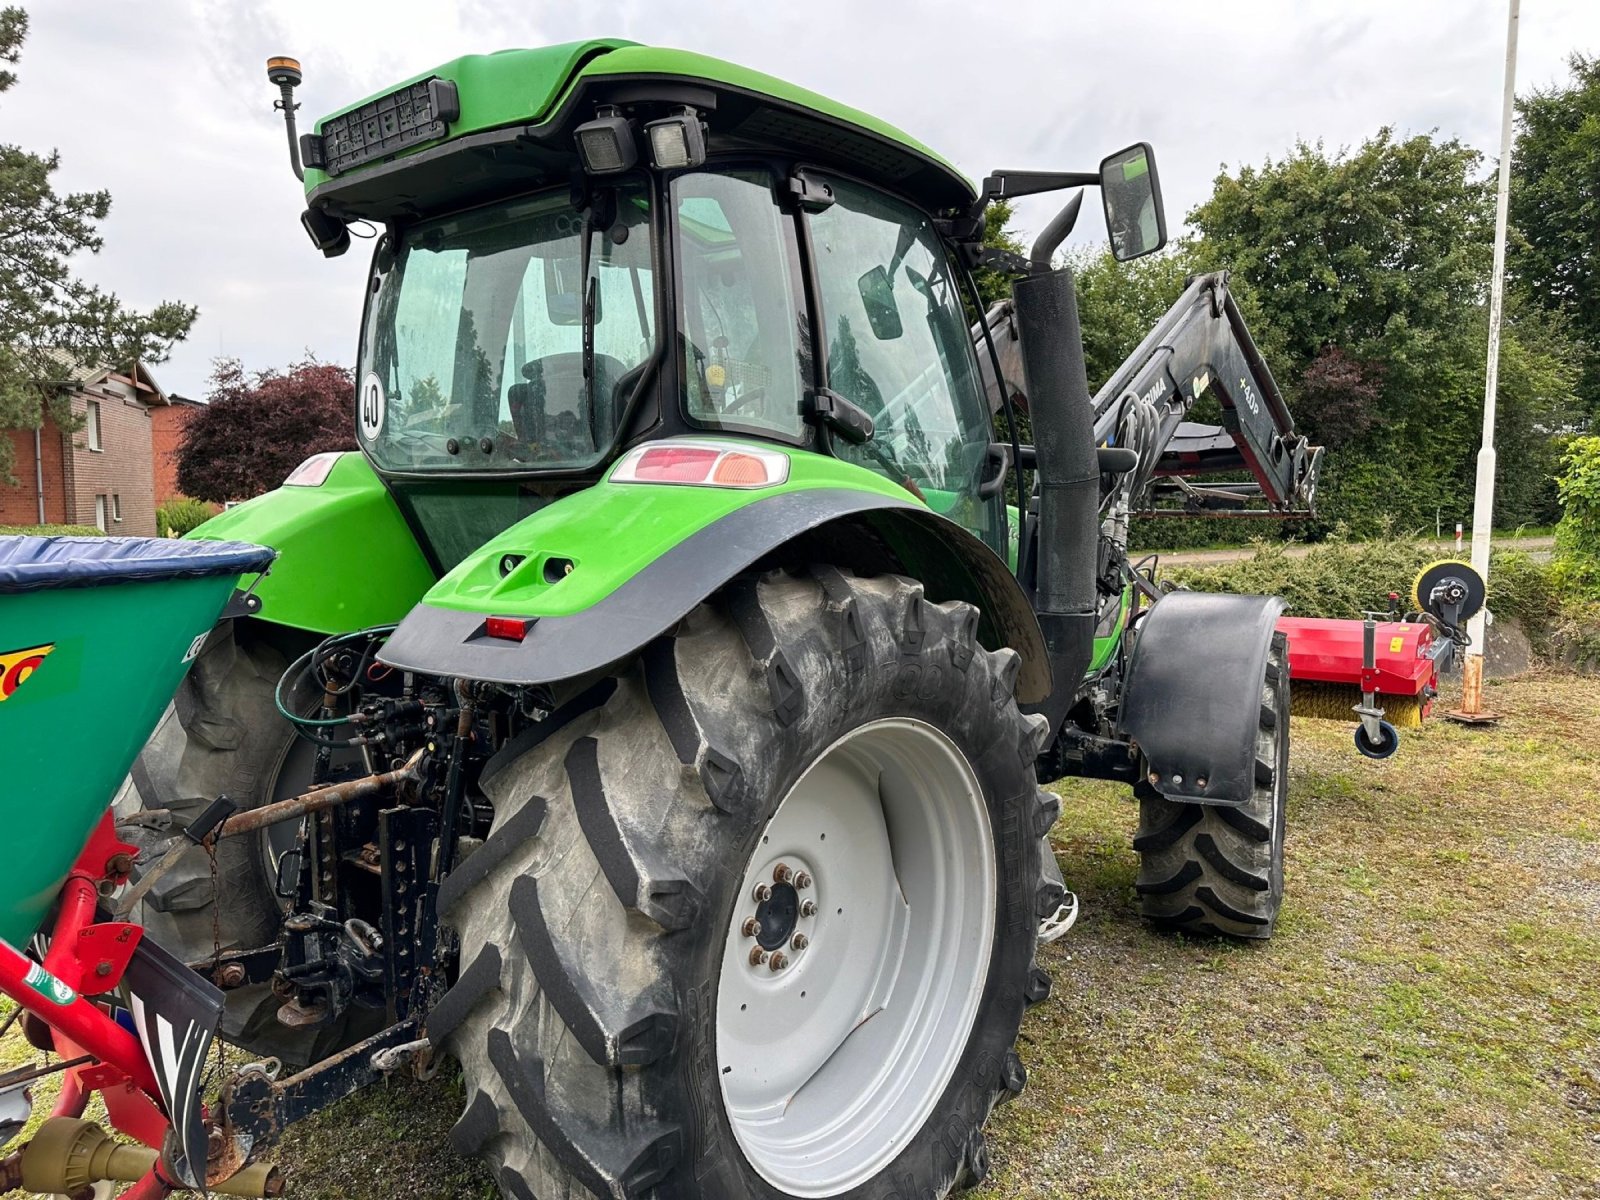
1324, 650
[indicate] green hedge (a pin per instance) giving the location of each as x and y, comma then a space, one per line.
180, 514
1343, 579
51, 530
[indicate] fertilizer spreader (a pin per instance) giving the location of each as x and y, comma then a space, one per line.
95, 635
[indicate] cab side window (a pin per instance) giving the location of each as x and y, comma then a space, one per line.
899, 349
744, 357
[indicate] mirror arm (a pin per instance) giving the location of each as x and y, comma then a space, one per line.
1006, 185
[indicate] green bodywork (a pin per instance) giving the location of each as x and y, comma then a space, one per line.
612, 531
518, 87
1105, 644
347, 559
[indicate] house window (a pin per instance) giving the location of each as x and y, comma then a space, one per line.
100, 513
116, 508
91, 426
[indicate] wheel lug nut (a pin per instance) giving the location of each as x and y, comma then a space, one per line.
779, 961
758, 956
763, 893
808, 909
751, 927
781, 873
802, 881
799, 941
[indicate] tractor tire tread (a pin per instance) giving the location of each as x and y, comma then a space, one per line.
579, 1048
1218, 869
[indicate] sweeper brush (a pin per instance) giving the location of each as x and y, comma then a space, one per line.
1386, 671
1335, 702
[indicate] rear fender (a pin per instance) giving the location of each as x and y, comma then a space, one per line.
346, 557
1193, 696
599, 574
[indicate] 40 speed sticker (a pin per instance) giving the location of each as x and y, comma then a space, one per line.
17, 665
372, 406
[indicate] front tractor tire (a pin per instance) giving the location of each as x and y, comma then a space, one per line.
757, 914
1215, 869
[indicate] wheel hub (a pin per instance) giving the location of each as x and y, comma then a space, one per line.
856, 957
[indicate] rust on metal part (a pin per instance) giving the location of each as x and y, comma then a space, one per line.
297, 807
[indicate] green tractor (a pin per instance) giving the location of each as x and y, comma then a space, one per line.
672, 678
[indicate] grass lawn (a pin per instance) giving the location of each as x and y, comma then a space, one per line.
1426, 1023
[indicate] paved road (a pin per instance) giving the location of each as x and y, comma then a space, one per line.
1537, 548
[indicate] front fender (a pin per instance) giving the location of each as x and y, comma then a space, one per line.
601, 573
346, 558
1193, 696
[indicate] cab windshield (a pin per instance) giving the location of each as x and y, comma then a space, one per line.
473, 356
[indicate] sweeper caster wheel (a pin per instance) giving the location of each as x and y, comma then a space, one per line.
1388, 740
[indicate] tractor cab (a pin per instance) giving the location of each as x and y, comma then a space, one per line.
663, 246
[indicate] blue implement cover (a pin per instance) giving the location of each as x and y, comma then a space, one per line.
32, 563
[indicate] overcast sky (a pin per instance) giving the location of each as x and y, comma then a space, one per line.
165, 103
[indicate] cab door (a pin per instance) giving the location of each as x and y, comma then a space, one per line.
897, 346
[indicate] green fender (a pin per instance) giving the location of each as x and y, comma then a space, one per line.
346, 558
598, 574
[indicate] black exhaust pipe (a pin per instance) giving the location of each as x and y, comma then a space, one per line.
1068, 478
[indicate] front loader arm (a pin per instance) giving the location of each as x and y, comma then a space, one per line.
1202, 343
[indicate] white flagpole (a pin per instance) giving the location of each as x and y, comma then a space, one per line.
1483, 497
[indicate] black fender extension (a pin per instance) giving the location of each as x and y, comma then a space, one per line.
1193, 697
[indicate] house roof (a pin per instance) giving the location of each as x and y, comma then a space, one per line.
76, 372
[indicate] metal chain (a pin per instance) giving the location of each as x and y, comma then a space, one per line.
216, 935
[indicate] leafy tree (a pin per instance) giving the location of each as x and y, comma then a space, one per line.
1555, 206
1118, 303
1382, 255
45, 311
257, 428
1578, 534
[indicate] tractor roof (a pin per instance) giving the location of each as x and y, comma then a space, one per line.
517, 109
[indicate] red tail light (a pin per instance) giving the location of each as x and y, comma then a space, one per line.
703, 464
512, 629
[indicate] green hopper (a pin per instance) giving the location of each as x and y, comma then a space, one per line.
95, 636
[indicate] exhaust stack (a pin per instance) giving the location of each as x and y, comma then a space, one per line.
1068, 478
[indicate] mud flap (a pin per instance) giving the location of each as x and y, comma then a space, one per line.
1193, 697
176, 1013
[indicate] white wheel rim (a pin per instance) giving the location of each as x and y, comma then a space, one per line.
832, 1063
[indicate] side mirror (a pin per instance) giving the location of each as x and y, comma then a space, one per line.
877, 297
1132, 195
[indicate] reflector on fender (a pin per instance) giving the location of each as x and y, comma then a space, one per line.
702, 464
512, 629
314, 471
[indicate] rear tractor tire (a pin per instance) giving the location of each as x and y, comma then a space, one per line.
223, 735
1215, 869
757, 914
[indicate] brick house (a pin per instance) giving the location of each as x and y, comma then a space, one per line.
167, 423
102, 475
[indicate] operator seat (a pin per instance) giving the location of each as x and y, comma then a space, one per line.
548, 410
